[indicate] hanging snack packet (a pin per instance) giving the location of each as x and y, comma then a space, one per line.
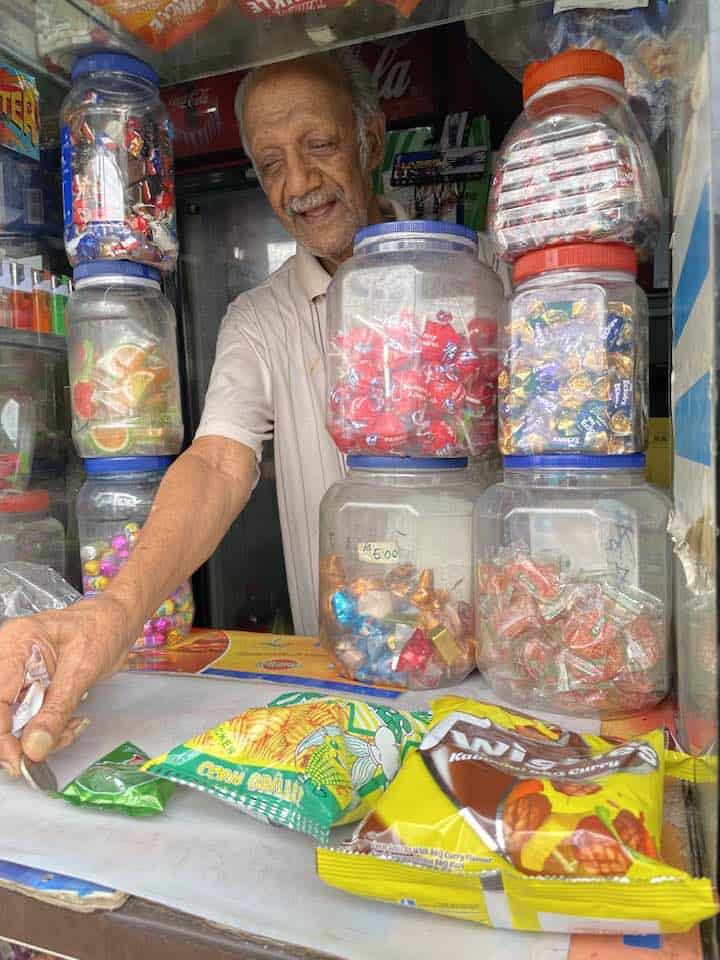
306, 761
513, 822
162, 24
117, 781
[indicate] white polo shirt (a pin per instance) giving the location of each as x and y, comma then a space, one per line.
268, 380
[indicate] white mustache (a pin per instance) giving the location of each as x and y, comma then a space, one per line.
312, 201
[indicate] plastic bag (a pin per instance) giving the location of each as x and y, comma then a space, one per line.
27, 588
513, 822
637, 39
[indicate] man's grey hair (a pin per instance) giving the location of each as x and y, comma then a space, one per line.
360, 84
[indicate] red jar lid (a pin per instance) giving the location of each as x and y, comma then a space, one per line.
590, 256
32, 501
571, 63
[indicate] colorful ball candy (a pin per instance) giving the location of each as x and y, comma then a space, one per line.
173, 618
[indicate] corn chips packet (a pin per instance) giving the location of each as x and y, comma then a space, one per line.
116, 781
513, 822
306, 761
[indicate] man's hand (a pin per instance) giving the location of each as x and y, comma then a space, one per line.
80, 645
200, 496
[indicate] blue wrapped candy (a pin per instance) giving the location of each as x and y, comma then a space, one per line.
344, 607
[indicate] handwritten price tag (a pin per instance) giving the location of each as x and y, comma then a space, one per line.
378, 551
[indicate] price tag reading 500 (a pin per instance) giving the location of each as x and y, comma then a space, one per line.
378, 551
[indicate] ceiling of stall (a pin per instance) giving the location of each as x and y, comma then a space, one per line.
186, 39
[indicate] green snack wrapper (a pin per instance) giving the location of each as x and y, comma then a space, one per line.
117, 781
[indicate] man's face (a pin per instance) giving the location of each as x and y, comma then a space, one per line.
303, 136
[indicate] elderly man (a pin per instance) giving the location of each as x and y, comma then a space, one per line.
314, 132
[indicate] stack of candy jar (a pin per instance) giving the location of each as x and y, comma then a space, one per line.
396, 571
122, 354
573, 586
112, 506
117, 164
574, 375
576, 166
412, 361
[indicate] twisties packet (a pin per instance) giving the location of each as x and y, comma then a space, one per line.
514, 822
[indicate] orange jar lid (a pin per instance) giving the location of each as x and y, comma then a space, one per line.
571, 63
589, 256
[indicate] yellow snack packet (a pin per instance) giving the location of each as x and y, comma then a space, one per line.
307, 761
513, 822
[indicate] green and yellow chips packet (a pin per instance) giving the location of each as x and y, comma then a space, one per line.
307, 761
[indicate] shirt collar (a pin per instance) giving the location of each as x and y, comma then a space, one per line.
313, 277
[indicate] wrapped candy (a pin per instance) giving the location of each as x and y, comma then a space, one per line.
414, 387
576, 166
573, 644
412, 356
574, 375
397, 629
117, 165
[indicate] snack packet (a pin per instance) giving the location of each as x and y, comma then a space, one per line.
117, 781
513, 822
306, 761
162, 24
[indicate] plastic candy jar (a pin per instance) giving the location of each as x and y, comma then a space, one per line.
412, 359
574, 358
576, 165
573, 588
112, 506
396, 571
122, 355
117, 164
28, 532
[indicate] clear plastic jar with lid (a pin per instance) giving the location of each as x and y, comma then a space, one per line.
396, 571
122, 355
573, 585
112, 506
412, 360
576, 165
28, 532
117, 164
574, 354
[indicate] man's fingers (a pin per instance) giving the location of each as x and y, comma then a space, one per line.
61, 698
71, 733
10, 751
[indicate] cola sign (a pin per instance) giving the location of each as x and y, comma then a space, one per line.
402, 70
203, 113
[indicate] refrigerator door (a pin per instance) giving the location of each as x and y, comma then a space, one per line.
231, 242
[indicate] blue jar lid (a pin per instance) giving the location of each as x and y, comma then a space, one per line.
577, 461
406, 463
115, 268
436, 227
103, 465
113, 63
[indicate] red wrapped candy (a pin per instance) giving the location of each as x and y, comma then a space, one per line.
440, 340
